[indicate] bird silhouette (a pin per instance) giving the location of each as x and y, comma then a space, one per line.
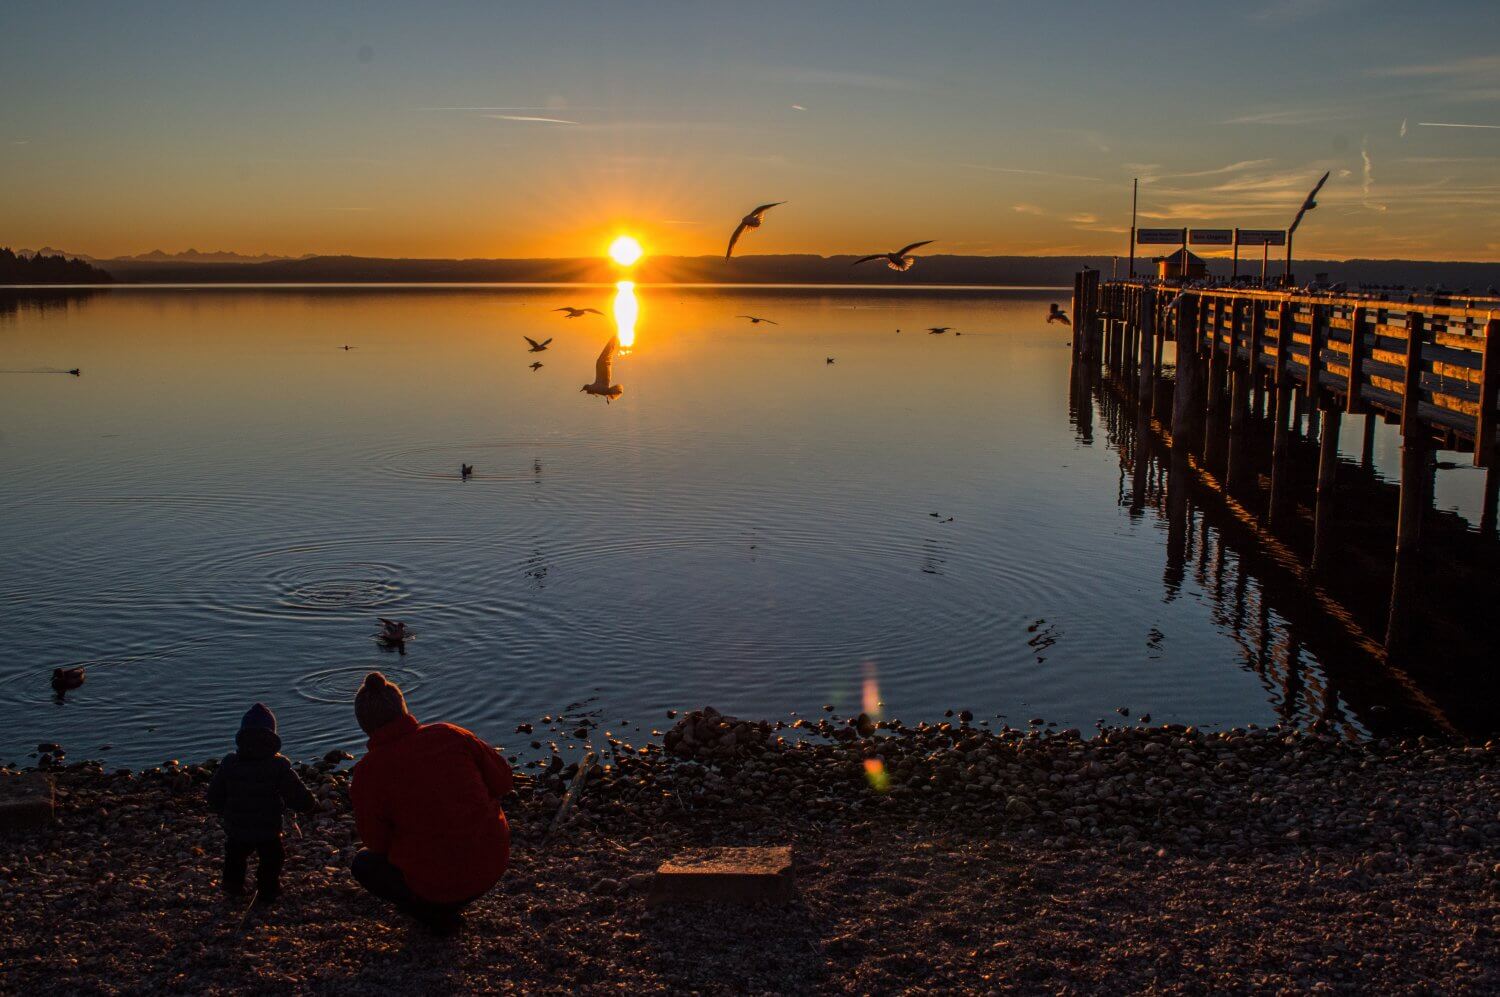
393, 631
1056, 314
538, 347
65, 679
938, 330
603, 371
828, 360
346, 348
75, 372
536, 365
899, 260
752, 220
464, 470
756, 320
578, 312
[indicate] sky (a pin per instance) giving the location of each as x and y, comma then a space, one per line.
544, 129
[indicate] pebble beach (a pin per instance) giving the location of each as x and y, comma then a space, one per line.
945, 856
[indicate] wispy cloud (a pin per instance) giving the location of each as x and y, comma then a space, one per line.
1084, 218
1453, 124
798, 107
1480, 66
1403, 128
527, 117
1239, 167
812, 76
1367, 185
1290, 116
1027, 209
1028, 173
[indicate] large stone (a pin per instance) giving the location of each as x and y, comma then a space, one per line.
726, 875
25, 801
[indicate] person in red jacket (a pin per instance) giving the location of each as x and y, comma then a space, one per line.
427, 807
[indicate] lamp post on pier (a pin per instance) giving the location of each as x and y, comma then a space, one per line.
1308, 204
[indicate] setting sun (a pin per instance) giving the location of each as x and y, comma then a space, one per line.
625, 251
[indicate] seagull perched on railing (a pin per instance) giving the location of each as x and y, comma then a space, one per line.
535, 346
899, 260
603, 369
1056, 314
578, 312
752, 220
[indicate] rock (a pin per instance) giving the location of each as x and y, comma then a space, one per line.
864, 725
732, 875
1018, 808
523, 728
607, 887
337, 755
966, 715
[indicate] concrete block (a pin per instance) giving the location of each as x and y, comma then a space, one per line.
735, 875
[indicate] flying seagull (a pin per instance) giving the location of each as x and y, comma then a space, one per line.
1056, 314
536, 365
578, 312
603, 370
752, 220
937, 330
828, 359
538, 347
755, 320
897, 260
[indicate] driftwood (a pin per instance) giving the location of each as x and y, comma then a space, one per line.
574, 792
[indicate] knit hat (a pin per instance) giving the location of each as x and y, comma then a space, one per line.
378, 702
259, 717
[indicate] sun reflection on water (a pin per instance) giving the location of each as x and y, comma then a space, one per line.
626, 310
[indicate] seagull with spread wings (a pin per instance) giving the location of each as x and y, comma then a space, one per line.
752, 220
899, 260
535, 346
1056, 314
937, 330
603, 371
757, 320
578, 312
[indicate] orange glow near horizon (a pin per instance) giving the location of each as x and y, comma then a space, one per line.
626, 312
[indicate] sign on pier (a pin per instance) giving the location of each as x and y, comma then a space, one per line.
1161, 237
1262, 236
1211, 236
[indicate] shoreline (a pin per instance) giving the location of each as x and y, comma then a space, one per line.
1160, 859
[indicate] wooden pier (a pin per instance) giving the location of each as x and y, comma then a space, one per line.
1241, 358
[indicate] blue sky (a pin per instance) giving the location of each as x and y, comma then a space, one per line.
399, 129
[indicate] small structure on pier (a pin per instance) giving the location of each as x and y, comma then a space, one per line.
1181, 265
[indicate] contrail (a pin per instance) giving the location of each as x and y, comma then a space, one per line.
1451, 124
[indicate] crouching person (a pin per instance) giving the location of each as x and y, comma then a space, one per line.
427, 807
249, 789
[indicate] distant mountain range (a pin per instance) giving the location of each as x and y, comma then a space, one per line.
987, 271
160, 256
194, 267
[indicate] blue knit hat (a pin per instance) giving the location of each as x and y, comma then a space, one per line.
259, 717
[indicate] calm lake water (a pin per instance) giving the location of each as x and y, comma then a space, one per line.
215, 512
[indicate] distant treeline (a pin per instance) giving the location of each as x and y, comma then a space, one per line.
39, 269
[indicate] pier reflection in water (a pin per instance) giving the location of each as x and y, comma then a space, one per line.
1309, 642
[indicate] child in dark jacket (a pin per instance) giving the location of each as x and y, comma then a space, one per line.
249, 790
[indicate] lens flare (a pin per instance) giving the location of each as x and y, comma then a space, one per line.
871, 698
876, 775
626, 311
625, 251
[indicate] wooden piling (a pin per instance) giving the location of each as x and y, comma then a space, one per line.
1146, 373
1328, 460
1415, 447
1281, 430
1485, 442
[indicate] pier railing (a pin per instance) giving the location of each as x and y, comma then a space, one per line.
1432, 368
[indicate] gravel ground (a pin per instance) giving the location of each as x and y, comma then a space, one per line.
930, 857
